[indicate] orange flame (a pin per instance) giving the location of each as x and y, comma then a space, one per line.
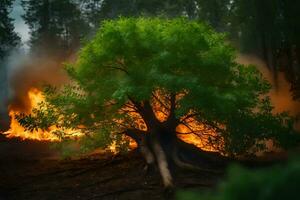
192, 131
203, 140
35, 97
16, 130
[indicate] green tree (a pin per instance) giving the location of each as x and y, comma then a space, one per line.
268, 29
143, 78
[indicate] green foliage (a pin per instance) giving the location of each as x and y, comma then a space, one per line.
276, 183
130, 58
70, 147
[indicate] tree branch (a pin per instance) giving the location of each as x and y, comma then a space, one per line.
189, 116
157, 99
136, 135
120, 68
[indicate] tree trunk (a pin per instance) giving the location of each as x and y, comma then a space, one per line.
162, 148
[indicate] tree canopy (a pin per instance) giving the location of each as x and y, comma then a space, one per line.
267, 29
134, 62
150, 78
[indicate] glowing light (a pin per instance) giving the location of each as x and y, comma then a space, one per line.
202, 137
16, 130
35, 97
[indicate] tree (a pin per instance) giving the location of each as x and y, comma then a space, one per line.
56, 27
215, 12
268, 29
8, 40
99, 10
91, 11
148, 79
257, 23
291, 45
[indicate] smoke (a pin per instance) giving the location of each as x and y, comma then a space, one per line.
30, 71
280, 94
4, 120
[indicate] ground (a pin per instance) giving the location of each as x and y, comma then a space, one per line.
29, 170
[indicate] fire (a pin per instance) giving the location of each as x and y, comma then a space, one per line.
203, 140
192, 131
35, 97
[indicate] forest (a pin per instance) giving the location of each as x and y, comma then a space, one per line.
131, 99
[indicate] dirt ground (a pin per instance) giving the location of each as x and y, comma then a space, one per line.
30, 170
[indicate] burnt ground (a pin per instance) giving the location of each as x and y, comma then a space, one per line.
30, 170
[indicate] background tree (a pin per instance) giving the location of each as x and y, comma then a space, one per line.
145, 78
56, 27
214, 12
267, 29
291, 43
98, 10
8, 40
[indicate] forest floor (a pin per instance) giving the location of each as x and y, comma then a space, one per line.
29, 171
